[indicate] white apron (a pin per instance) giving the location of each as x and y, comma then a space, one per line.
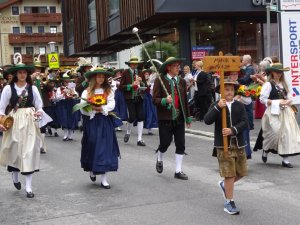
20, 144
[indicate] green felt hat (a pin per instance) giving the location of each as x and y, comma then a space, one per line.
169, 61
98, 70
20, 66
276, 67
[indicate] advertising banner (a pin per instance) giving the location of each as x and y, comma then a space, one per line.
287, 5
290, 44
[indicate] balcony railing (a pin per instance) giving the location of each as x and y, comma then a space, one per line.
40, 18
28, 59
35, 38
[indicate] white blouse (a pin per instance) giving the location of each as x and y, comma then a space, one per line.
105, 108
6, 95
266, 90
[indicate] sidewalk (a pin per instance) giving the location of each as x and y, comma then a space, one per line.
200, 128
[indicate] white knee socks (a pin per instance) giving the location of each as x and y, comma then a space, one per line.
129, 126
70, 134
15, 177
178, 159
104, 179
160, 156
28, 183
140, 127
66, 133
285, 159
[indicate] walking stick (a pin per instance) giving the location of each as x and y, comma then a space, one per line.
135, 30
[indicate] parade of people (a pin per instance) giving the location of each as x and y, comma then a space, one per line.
149, 112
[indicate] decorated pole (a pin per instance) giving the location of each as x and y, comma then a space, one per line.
222, 64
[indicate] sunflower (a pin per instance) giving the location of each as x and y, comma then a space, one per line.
98, 100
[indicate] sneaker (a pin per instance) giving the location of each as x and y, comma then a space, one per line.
230, 208
221, 185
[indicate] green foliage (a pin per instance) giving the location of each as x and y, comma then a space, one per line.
169, 49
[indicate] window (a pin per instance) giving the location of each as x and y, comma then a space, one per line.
53, 29
28, 29
18, 49
41, 29
113, 7
56, 49
14, 10
42, 9
92, 14
52, 9
29, 50
27, 9
16, 30
42, 50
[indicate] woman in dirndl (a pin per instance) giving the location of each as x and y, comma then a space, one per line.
100, 150
67, 97
20, 150
280, 130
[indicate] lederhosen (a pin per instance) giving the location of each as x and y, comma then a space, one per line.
26, 103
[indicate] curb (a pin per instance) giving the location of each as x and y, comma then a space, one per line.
201, 133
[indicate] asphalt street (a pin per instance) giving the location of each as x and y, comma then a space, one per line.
139, 195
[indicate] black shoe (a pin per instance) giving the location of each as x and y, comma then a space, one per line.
287, 165
105, 186
126, 138
150, 133
18, 185
49, 131
181, 175
70, 139
93, 178
66, 139
159, 166
42, 150
56, 134
264, 158
29, 194
141, 143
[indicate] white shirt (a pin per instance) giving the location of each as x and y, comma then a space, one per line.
105, 108
6, 95
170, 77
266, 90
229, 105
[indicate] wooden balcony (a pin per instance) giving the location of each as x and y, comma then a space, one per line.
35, 38
63, 60
44, 18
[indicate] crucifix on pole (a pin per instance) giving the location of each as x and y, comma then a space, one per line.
222, 64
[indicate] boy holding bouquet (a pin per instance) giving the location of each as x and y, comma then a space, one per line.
233, 164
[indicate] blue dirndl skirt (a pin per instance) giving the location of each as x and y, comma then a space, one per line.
51, 111
149, 112
100, 149
121, 107
66, 118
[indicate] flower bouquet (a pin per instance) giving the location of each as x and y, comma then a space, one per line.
96, 100
253, 91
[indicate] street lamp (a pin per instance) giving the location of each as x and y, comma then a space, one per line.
52, 46
268, 8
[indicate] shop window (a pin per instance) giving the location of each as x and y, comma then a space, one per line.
29, 50
274, 49
114, 7
16, 30
28, 29
17, 50
208, 37
14, 10
53, 29
248, 37
92, 15
41, 29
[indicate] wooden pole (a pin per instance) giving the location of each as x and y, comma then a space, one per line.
224, 122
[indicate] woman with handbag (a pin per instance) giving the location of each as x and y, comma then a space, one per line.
20, 150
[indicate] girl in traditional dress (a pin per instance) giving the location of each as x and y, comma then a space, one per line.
68, 98
20, 150
100, 150
280, 131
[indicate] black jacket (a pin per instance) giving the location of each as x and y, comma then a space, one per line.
236, 120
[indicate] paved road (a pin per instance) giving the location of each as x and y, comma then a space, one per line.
139, 196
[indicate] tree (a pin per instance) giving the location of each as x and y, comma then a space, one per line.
168, 49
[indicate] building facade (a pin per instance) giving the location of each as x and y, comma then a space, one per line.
27, 27
187, 28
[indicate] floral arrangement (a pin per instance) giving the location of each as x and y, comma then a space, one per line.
253, 90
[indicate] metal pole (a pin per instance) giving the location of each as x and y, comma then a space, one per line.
268, 8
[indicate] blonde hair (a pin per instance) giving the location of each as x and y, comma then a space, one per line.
92, 86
